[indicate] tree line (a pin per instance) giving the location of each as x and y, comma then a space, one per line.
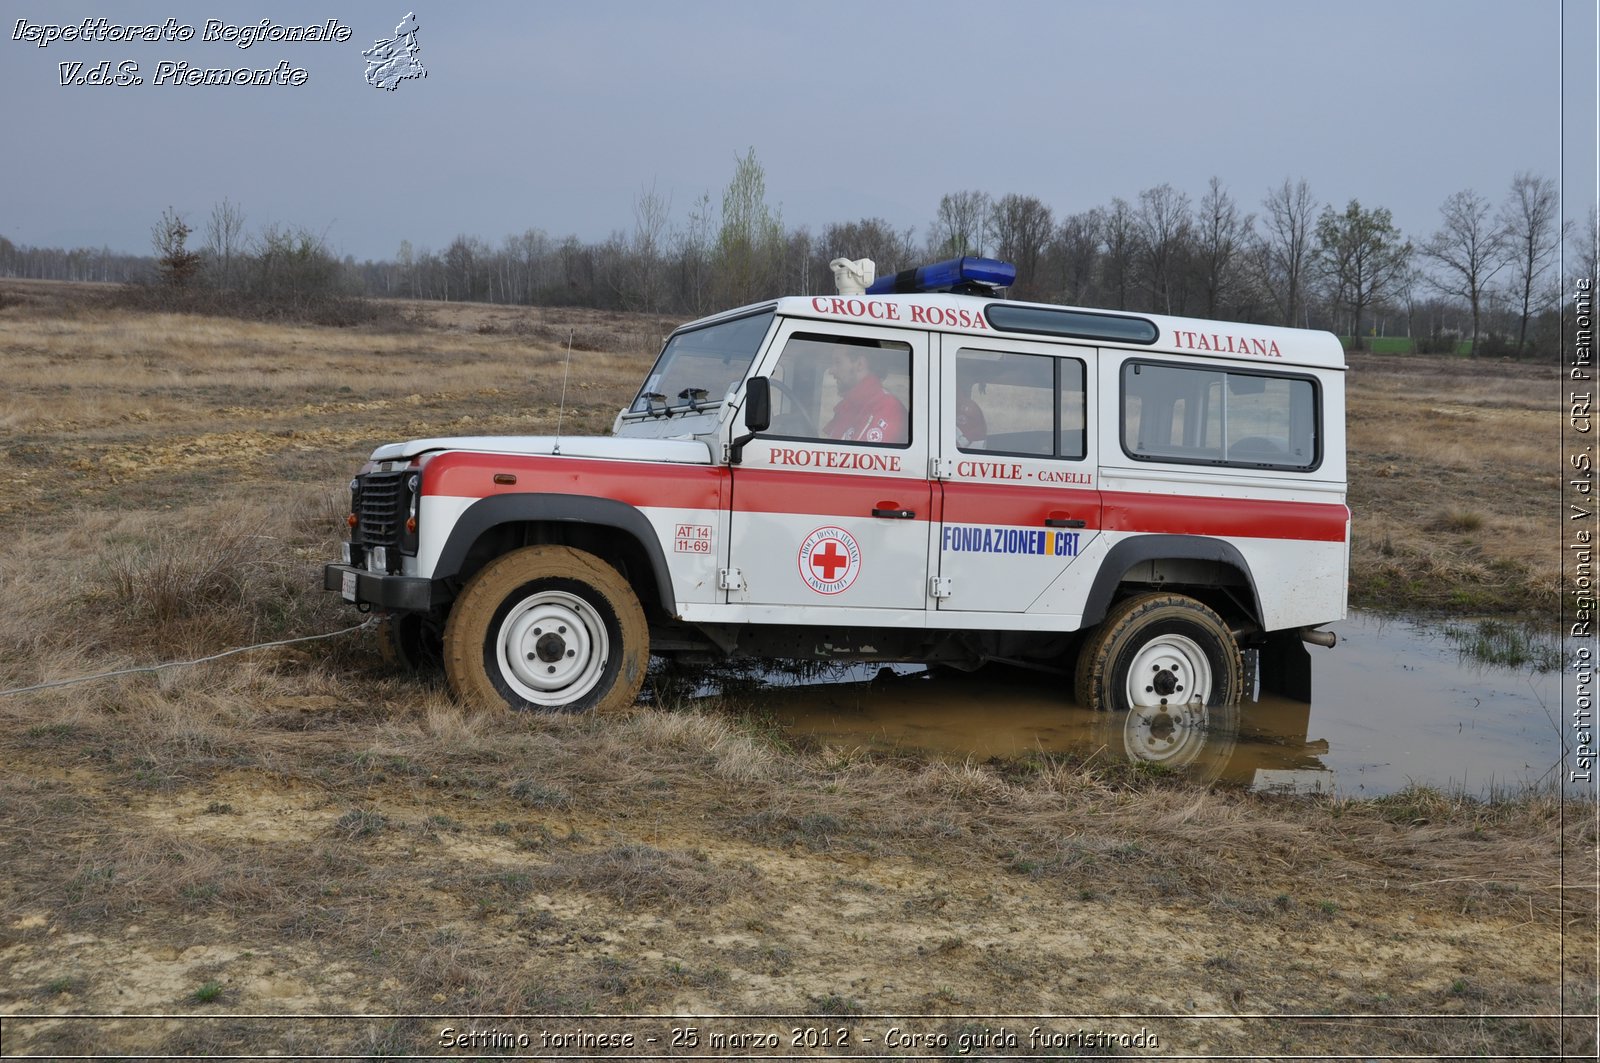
1486, 279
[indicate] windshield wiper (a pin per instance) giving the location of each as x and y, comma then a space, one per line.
695, 401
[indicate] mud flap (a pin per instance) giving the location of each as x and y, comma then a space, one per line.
1284, 666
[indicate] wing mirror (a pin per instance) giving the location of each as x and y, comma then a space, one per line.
757, 415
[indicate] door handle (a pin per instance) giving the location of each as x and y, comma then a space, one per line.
1063, 521
893, 510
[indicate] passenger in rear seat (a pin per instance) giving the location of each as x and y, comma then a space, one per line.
972, 429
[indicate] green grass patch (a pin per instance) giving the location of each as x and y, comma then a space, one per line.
1507, 644
1398, 345
207, 993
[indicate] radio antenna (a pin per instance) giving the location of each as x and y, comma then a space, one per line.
566, 371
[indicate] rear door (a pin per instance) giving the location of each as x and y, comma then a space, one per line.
1017, 470
831, 505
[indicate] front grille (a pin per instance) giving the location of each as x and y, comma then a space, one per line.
382, 505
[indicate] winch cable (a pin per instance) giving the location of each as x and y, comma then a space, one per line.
186, 664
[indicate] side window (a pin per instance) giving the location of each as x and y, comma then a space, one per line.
842, 388
1073, 403
1178, 413
1271, 420
1030, 405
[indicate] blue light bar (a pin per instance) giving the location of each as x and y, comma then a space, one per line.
966, 274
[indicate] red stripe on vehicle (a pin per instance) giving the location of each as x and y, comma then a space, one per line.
1238, 518
1016, 504
638, 483
1013, 505
654, 484
775, 491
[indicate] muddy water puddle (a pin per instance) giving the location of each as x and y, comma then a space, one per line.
1396, 703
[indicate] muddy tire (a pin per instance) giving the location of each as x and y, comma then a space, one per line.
547, 629
1155, 652
410, 642
1163, 674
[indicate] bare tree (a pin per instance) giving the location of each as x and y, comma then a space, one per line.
405, 261
1021, 226
1220, 240
801, 261
534, 254
1121, 239
225, 242
1586, 249
1165, 229
461, 265
1533, 235
1363, 257
646, 286
890, 249
693, 244
1075, 252
1284, 247
961, 225
1469, 249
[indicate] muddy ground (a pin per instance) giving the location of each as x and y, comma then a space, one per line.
295, 851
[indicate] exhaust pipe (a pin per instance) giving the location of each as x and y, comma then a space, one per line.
1319, 638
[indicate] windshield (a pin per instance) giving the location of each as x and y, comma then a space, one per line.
698, 368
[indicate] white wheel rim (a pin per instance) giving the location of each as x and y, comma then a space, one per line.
552, 648
1168, 685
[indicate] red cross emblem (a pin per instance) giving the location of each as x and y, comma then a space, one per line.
830, 560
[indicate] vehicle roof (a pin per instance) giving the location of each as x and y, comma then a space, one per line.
966, 314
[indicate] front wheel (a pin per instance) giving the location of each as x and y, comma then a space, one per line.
547, 628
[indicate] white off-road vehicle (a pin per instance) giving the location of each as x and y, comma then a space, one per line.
917, 471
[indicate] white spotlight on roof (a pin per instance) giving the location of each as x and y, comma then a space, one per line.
852, 278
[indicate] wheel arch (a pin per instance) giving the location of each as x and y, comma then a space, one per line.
1176, 551
614, 531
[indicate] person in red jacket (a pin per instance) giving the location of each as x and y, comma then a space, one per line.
866, 413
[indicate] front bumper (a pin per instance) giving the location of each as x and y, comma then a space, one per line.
415, 594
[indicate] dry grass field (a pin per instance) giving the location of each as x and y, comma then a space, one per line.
298, 832
1455, 484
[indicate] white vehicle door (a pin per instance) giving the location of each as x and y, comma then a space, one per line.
830, 506
1017, 471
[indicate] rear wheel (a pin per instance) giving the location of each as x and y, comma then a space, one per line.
1155, 651
410, 642
1166, 671
547, 628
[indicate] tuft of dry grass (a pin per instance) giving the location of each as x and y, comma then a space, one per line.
174, 578
642, 875
1455, 520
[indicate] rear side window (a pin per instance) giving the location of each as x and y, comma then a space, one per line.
1220, 417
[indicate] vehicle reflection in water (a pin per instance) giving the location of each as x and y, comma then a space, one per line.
1396, 704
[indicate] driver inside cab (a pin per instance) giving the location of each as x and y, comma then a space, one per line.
866, 413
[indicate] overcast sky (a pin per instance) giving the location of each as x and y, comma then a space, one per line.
556, 115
